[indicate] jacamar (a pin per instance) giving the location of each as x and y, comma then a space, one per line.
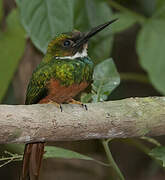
64, 72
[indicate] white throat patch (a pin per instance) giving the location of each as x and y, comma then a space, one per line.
84, 53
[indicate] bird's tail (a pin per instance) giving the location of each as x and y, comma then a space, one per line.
32, 160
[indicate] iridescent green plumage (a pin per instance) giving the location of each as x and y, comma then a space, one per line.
66, 71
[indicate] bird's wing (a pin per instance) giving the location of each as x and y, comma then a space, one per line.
37, 88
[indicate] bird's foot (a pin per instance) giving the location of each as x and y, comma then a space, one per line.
72, 101
56, 104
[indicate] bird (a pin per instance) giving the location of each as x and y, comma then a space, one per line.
64, 72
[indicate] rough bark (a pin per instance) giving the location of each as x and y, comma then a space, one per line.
132, 117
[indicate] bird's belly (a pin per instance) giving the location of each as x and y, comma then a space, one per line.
61, 94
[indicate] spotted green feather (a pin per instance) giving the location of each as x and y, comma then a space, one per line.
66, 71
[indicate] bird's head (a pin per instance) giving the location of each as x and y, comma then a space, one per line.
73, 44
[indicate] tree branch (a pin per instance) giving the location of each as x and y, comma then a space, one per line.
132, 117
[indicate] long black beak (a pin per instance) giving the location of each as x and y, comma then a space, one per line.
92, 32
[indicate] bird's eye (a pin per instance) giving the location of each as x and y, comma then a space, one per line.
67, 43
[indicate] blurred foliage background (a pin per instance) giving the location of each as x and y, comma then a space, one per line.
136, 43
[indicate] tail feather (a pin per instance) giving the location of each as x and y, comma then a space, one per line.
32, 161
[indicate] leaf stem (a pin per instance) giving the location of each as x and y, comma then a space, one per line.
140, 18
151, 140
14, 157
136, 143
111, 160
11, 158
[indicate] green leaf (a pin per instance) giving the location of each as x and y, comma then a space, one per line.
159, 4
99, 12
160, 9
1, 9
51, 152
56, 152
89, 14
12, 43
105, 80
159, 154
80, 16
13, 148
124, 22
86, 97
150, 48
44, 19
100, 48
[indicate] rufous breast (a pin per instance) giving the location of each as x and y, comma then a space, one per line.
61, 94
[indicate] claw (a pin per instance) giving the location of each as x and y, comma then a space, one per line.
72, 101
61, 108
85, 106
56, 104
